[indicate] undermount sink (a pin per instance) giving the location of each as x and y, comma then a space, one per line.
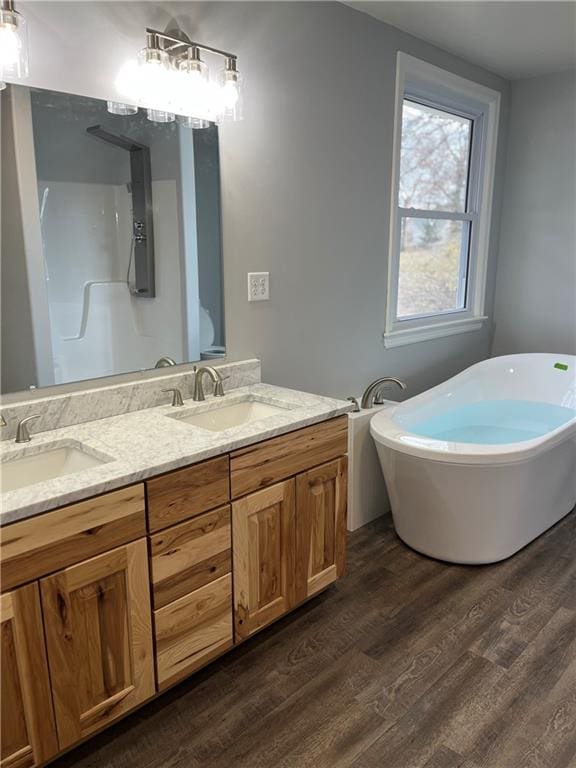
221, 417
30, 467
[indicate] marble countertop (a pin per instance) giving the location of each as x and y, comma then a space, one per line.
138, 445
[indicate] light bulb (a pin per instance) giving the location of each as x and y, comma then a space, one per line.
13, 45
156, 78
193, 85
230, 94
129, 81
10, 46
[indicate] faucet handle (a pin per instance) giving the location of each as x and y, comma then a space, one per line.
176, 396
218, 385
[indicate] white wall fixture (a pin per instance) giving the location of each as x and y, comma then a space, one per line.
258, 286
13, 44
171, 80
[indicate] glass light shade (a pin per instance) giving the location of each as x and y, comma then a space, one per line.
231, 105
192, 122
129, 81
192, 87
117, 108
13, 45
156, 80
160, 116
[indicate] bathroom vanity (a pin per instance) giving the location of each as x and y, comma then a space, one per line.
112, 599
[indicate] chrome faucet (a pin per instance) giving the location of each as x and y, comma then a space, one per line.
373, 392
22, 431
199, 387
176, 397
2, 421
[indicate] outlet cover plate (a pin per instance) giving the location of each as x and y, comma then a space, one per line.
258, 286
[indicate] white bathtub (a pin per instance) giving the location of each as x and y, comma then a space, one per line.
482, 464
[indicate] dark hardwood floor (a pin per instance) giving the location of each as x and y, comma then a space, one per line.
406, 663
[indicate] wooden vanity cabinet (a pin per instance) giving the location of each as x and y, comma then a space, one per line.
117, 597
28, 730
99, 637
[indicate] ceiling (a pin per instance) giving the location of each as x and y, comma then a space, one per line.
513, 39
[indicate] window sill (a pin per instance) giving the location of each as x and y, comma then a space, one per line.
399, 338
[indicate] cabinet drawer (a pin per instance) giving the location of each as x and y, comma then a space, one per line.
193, 630
187, 492
40, 545
266, 463
190, 555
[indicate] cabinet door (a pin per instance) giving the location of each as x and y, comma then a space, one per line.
28, 730
264, 542
321, 527
98, 629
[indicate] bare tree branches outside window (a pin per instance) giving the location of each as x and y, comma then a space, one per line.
435, 152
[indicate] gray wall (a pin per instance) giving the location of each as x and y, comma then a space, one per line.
536, 293
305, 177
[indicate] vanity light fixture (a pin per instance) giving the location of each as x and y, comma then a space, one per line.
170, 79
13, 43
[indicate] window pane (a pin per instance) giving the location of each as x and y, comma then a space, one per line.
433, 265
434, 158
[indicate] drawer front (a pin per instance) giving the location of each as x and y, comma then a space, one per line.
187, 492
193, 630
47, 543
266, 463
190, 555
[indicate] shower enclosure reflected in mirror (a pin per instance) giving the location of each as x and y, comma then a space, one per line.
111, 241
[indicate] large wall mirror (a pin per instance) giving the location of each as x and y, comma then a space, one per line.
111, 241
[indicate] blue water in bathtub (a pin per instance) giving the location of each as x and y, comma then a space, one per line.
494, 422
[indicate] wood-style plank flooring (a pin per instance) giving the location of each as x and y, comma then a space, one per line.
406, 663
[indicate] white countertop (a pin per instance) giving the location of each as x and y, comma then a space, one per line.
144, 443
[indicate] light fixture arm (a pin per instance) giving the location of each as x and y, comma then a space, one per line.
171, 42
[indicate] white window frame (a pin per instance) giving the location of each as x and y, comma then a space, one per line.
427, 84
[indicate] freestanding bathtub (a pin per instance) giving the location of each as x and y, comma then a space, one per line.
482, 464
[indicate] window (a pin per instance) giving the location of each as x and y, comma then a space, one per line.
445, 141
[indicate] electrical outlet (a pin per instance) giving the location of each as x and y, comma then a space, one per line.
258, 286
